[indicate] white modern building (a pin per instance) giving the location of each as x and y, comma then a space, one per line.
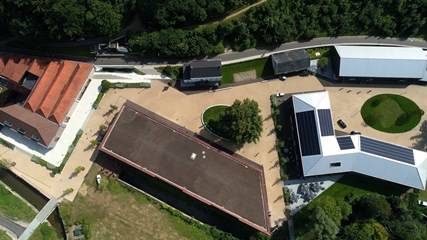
352, 62
324, 153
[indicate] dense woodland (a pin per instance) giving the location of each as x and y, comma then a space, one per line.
279, 21
181, 28
369, 216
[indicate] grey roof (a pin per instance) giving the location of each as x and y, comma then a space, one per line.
202, 68
291, 61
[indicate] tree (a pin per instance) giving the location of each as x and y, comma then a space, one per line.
322, 63
67, 191
324, 226
79, 169
94, 143
358, 231
5, 163
373, 206
242, 121
103, 18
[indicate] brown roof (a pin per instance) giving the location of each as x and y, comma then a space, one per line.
160, 148
33, 123
3, 61
14, 69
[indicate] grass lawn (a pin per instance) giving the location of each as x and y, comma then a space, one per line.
118, 211
423, 195
13, 207
4, 236
358, 185
391, 113
263, 67
44, 232
211, 119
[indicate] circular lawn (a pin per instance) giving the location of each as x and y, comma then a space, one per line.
211, 119
391, 113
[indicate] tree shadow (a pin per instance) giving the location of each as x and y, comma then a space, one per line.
421, 138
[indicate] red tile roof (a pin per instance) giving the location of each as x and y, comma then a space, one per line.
57, 87
43, 85
3, 61
38, 66
13, 64
70, 92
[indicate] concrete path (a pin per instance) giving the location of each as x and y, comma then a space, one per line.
41, 217
11, 226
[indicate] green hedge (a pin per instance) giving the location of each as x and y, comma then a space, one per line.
106, 85
7, 144
42, 162
68, 154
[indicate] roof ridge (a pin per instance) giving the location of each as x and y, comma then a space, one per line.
39, 110
58, 80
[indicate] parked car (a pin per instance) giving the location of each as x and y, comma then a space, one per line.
282, 77
422, 203
355, 133
280, 94
342, 124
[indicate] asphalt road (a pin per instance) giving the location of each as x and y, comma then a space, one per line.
267, 50
11, 226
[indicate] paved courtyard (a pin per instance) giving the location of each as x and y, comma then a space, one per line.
346, 102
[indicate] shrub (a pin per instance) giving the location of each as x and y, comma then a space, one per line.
7, 144
322, 63
105, 85
375, 102
401, 120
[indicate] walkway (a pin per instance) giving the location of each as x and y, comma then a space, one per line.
11, 226
265, 51
41, 217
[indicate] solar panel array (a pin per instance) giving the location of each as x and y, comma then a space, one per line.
308, 137
387, 150
325, 121
345, 143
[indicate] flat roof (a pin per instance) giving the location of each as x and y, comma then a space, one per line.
173, 154
373, 52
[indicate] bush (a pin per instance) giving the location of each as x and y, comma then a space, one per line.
401, 120
375, 102
105, 85
7, 144
322, 63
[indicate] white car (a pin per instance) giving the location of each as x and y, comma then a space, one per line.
280, 94
422, 203
283, 77
98, 179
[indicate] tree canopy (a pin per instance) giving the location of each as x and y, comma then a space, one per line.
366, 216
242, 121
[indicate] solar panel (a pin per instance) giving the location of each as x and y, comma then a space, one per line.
387, 150
345, 143
325, 121
308, 137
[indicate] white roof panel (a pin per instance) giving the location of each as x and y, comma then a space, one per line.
370, 52
354, 160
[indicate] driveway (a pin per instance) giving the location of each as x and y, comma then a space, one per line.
11, 226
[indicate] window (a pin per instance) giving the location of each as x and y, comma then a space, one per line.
335, 164
21, 131
7, 123
35, 138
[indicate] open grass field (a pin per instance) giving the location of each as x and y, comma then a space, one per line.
118, 212
211, 118
13, 207
262, 66
4, 236
391, 113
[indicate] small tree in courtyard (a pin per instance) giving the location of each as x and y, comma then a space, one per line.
242, 121
79, 169
322, 63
